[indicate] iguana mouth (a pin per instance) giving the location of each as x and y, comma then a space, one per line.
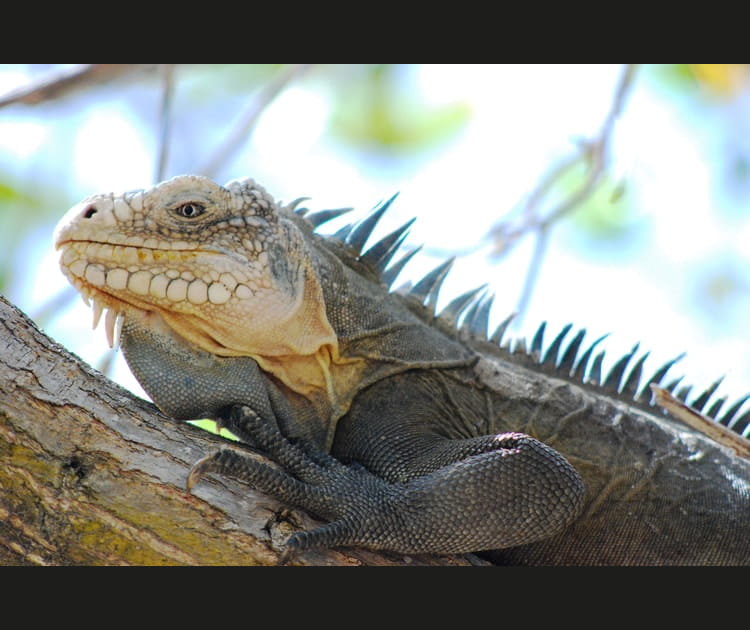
118, 277
111, 275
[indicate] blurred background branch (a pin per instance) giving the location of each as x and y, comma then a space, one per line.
167, 71
249, 118
594, 156
592, 153
62, 82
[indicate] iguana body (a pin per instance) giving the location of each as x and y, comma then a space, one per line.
406, 432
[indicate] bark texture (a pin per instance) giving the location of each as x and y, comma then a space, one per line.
91, 474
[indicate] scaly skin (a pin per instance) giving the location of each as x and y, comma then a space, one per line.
233, 308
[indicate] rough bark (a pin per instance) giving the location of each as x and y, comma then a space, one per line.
91, 474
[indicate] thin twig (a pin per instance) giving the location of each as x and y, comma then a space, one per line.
532, 275
250, 118
165, 118
549, 180
596, 153
62, 82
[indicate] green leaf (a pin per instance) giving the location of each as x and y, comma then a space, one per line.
210, 426
606, 217
8, 194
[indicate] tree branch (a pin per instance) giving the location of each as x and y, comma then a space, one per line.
165, 118
250, 117
594, 153
63, 82
91, 474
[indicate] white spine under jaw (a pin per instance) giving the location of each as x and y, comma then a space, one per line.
112, 319
113, 327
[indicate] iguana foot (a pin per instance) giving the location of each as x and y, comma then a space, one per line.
517, 493
348, 496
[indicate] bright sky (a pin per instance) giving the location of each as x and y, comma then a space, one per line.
524, 119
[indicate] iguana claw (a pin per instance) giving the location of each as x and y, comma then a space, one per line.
200, 467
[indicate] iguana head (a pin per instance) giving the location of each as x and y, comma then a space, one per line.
220, 265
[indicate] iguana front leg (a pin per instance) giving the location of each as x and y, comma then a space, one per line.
500, 491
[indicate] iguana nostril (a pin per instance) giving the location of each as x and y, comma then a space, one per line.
89, 212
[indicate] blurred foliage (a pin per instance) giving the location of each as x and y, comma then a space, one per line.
375, 109
721, 79
20, 211
721, 291
377, 116
9, 194
721, 287
372, 111
717, 81
203, 84
719, 91
606, 215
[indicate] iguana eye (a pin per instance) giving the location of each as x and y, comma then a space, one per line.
190, 210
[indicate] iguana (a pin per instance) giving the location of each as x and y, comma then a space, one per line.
404, 429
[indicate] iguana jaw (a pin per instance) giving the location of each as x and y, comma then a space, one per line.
203, 308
